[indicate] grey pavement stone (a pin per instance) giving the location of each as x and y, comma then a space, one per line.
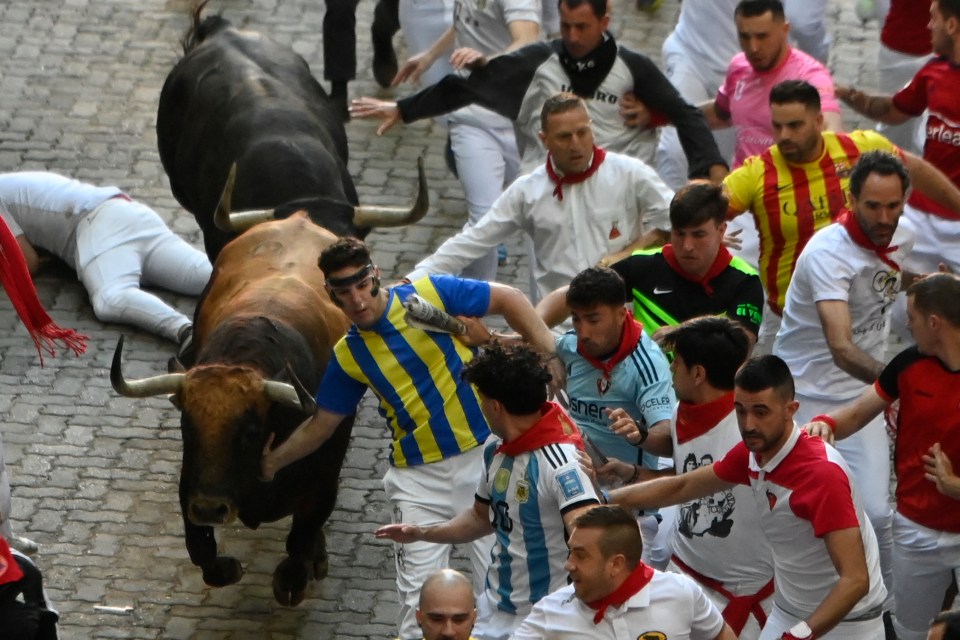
94, 475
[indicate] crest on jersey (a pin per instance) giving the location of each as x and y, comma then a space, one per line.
771, 500
523, 492
843, 169
603, 385
652, 635
501, 480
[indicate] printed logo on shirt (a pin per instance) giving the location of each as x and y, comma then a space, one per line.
614, 231
523, 492
710, 515
657, 291
886, 282
843, 169
652, 635
502, 480
570, 484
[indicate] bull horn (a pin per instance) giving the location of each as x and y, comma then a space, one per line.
292, 395
373, 216
241, 221
145, 387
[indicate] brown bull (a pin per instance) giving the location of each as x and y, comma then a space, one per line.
264, 326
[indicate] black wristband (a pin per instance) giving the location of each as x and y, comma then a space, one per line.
643, 434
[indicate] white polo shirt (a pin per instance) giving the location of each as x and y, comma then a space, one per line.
803, 493
671, 606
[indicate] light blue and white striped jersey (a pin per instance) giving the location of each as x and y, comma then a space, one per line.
528, 495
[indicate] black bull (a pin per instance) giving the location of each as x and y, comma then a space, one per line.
265, 325
239, 98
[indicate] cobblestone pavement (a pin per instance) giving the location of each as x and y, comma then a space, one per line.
95, 475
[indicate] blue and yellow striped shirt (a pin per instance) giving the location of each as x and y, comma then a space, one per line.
432, 412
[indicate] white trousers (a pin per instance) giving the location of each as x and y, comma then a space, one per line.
430, 494
697, 82
487, 161
924, 562
494, 624
769, 326
895, 71
808, 26
122, 245
867, 453
780, 621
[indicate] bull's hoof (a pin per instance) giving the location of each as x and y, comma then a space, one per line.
223, 571
290, 582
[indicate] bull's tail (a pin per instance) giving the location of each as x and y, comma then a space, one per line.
199, 29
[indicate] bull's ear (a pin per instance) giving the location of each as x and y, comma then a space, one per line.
175, 401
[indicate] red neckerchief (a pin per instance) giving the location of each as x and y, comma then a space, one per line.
637, 580
629, 338
849, 222
574, 178
16, 281
694, 420
554, 427
10, 570
721, 262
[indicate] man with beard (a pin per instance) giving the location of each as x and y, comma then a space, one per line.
924, 378
799, 186
825, 558
836, 320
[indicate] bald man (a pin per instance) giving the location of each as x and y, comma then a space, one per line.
447, 608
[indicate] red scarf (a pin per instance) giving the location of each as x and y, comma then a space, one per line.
574, 178
554, 427
16, 281
721, 262
637, 580
849, 222
10, 570
628, 343
694, 420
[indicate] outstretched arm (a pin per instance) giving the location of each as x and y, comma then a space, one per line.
466, 526
306, 439
664, 492
522, 318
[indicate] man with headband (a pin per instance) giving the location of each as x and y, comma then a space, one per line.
434, 416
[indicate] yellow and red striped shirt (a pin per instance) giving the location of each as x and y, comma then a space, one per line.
790, 202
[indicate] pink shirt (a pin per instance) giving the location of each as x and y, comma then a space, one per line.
745, 95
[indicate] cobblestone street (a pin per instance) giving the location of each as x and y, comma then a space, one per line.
95, 475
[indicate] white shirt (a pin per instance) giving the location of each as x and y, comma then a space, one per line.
47, 208
719, 536
834, 267
671, 606
803, 493
601, 215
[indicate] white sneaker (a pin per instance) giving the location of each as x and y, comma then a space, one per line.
25, 546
